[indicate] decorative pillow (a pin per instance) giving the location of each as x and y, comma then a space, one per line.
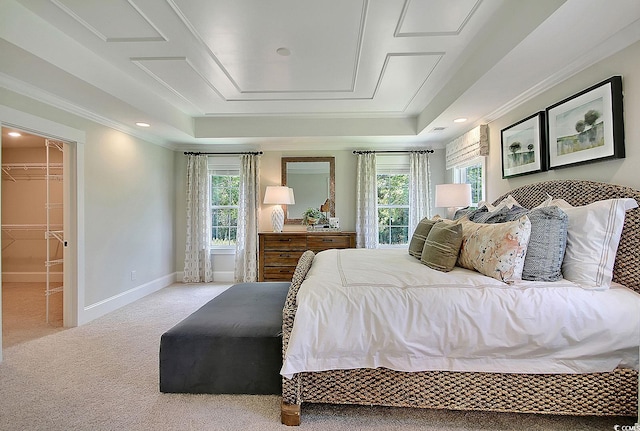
463, 212
442, 246
419, 236
547, 242
508, 202
593, 235
495, 250
498, 215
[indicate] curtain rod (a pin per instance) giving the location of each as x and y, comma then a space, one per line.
190, 153
391, 151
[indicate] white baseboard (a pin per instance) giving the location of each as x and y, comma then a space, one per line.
115, 302
31, 277
223, 276
218, 276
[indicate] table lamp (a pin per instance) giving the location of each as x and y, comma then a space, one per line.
277, 196
452, 196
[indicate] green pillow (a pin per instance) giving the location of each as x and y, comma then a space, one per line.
442, 246
419, 237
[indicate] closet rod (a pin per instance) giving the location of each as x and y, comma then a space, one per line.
255, 153
391, 151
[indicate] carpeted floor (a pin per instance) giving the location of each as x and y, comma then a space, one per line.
104, 376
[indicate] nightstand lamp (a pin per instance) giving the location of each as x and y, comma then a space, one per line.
452, 196
277, 196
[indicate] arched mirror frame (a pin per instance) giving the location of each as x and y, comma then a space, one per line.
332, 182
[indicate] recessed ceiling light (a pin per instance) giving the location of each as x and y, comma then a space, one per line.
285, 52
140, 124
14, 134
460, 120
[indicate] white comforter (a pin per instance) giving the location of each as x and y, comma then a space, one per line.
362, 308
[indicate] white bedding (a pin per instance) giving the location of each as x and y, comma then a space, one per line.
361, 308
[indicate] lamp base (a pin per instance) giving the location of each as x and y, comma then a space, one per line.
277, 218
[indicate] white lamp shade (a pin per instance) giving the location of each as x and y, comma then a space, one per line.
453, 195
279, 195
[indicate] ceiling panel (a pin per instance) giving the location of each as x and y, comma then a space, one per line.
243, 37
112, 20
435, 17
179, 76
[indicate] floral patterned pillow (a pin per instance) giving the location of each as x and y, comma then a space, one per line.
495, 250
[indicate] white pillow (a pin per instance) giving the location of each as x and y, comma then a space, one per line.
593, 234
508, 202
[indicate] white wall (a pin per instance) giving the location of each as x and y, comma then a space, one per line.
622, 171
128, 209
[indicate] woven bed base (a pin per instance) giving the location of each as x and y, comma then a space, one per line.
568, 394
614, 393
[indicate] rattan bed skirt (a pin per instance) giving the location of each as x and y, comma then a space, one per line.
613, 393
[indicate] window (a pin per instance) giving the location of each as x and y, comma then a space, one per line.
225, 192
224, 208
393, 209
392, 172
472, 173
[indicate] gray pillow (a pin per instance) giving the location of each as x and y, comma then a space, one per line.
442, 246
419, 236
495, 216
547, 242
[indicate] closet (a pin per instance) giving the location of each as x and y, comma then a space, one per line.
32, 230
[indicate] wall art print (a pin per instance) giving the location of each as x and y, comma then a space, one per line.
587, 127
523, 147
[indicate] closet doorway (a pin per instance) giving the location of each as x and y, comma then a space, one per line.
33, 240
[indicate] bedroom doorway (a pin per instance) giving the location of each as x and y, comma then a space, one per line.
33, 235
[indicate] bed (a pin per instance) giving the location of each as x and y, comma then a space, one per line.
600, 385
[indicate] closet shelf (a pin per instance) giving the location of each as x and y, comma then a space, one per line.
32, 171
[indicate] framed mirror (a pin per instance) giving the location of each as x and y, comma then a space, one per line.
313, 182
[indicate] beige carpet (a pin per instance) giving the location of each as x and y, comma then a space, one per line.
104, 376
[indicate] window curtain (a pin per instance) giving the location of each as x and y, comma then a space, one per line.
246, 263
366, 202
419, 189
197, 260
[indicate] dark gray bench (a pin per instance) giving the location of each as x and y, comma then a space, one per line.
231, 345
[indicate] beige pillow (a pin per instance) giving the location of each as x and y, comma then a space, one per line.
419, 236
495, 250
442, 246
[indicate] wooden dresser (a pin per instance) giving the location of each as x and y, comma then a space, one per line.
279, 252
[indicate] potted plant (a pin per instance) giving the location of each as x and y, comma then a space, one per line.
311, 216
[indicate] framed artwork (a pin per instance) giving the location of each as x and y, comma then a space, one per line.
523, 147
587, 127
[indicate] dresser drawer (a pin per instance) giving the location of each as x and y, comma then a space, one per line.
285, 242
278, 273
281, 258
324, 242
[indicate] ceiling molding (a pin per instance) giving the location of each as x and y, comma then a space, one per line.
47, 98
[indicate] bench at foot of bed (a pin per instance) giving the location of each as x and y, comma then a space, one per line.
231, 345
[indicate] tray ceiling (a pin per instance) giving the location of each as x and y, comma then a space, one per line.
249, 73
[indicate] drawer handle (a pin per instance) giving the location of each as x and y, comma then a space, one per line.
284, 271
285, 255
284, 239
327, 240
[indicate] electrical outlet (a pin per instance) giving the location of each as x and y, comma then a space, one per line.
133, 275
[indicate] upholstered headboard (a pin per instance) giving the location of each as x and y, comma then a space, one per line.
577, 192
